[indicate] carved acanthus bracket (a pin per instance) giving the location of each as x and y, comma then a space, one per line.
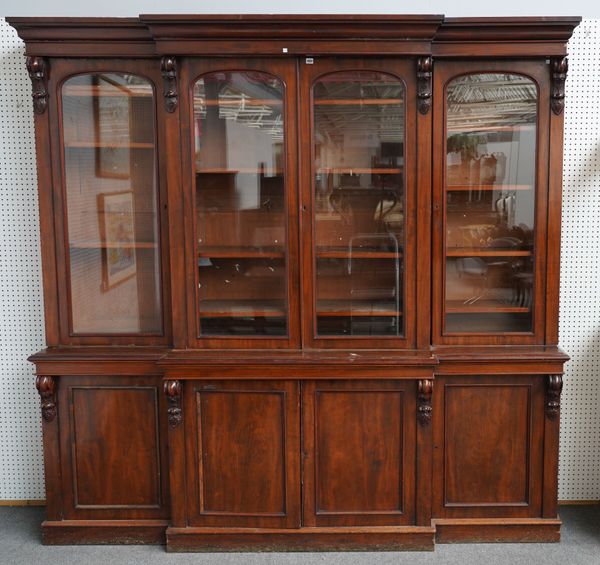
38, 73
45, 386
424, 74
424, 401
553, 390
558, 69
173, 393
168, 68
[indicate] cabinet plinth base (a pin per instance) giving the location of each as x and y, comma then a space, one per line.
483, 530
96, 532
410, 538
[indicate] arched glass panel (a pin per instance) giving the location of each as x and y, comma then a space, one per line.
490, 175
112, 204
359, 203
240, 204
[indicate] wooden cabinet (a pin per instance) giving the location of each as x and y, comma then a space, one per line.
300, 278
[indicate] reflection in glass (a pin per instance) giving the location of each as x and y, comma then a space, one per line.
490, 203
358, 145
240, 204
111, 193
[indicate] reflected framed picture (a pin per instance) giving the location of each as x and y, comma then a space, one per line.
117, 232
112, 130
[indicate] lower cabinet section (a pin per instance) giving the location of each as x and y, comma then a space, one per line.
300, 464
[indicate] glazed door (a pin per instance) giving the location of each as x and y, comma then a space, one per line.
358, 202
111, 275
239, 139
358, 443
243, 453
490, 202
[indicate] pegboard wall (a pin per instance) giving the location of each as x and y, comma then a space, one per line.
21, 307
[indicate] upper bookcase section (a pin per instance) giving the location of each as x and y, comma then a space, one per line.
289, 35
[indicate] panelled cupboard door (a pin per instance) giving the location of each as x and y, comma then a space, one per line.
490, 180
239, 157
243, 453
359, 442
107, 125
113, 448
358, 188
488, 446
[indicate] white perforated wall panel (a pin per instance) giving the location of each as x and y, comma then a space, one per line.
580, 270
21, 306
21, 313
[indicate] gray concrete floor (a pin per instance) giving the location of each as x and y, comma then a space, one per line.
20, 545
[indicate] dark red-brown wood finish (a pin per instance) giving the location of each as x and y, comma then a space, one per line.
319, 424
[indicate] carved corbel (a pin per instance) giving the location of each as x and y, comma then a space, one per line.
168, 68
558, 70
45, 386
553, 390
173, 393
424, 74
38, 73
424, 409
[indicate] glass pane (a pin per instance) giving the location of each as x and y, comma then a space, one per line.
359, 203
112, 204
490, 203
240, 204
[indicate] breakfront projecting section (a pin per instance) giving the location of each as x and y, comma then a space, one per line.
300, 279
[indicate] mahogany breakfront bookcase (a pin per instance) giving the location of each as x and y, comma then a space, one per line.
300, 278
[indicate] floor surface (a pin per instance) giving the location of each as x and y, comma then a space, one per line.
580, 545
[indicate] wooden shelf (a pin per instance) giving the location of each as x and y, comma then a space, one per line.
484, 252
241, 309
484, 307
345, 253
358, 102
94, 144
239, 102
102, 245
352, 308
451, 130
477, 187
130, 91
358, 171
248, 170
240, 253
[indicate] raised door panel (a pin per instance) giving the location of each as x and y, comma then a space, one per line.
488, 447
243, 454
359, 449
112, 448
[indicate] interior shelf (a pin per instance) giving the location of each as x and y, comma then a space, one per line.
230, 252
108, 144
224, 170
104, 245
484, 307
488, 128
239, 102
357, 101
350, 308
477, 187
346, 253
241, 309
482, 252
358, 171
132, 91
